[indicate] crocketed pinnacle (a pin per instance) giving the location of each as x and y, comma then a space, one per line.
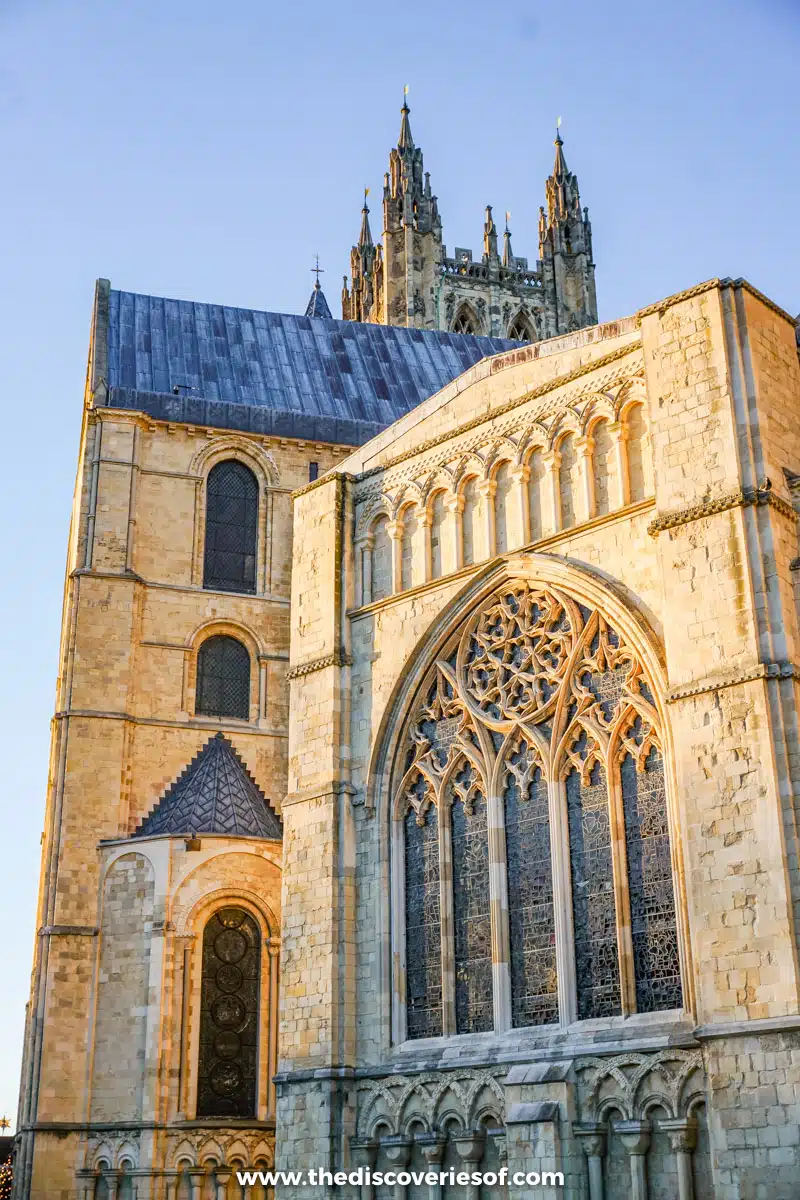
405, 141
365, 237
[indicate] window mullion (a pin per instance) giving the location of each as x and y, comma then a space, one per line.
562, 902
498, 908
447, 923
619, 859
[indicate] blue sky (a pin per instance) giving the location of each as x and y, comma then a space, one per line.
205, 151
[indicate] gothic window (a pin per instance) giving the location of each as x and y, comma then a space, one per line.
504, 484
231, 528
381, 559
640, 466
568, 481
409, 560
520, 330
226, 1083
536, 706
470, 523
466, 321
438, 513
223, 678
423, 935
602, 467
536, 486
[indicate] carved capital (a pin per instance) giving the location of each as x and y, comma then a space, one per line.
520, 473
364, 1151
634, 1135
432, 1147
397, 1151
592, 1138
585, 446
470, 1145
682, 1133
487, 487
552, 459
455, 504
273, 946
395, 530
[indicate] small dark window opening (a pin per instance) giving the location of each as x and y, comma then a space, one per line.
231, 528
313, 471
228, 1060
223, 679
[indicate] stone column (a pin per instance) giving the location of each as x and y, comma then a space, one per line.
432, 1146
86, 1183
587, 501
395, 531
364, 555
196, 1177
397, 1151
171, 1181
470, 1147
593, 1143
635, 1137
682, 1133
222, 1177
112, 1183
519, 515
425, 521
487, 488
274, 950
619, 437
364, 1153
453, 545
551, 499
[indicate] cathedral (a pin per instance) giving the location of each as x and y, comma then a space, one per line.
423, 793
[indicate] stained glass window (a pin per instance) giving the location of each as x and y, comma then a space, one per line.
593, 912
223, 678
226, 1084
532, 936
231, 528
423, 930
471, 917
653, 928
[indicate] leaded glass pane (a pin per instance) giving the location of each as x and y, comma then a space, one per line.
423, 926
593, 911
653, 927
472, 933
223, 678
531, 923
226, 1084
231, 528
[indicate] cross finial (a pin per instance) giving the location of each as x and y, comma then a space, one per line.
317, 269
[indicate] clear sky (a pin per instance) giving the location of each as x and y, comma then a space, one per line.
207, 151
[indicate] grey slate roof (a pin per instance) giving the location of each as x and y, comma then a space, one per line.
275, 373
215, 793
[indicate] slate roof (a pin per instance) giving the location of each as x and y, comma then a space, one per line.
273, 373
215, 793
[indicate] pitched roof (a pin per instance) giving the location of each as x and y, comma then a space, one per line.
273, 373
215, 793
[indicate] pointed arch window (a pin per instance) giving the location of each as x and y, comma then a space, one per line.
465, 321
534, 737
229, 1009
520, 330
223, 678
231, 528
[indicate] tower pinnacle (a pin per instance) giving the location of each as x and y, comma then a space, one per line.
405, 141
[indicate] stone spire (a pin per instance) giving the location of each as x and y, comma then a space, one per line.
405, 141
318, 305
565, 248
508, 254
365, 237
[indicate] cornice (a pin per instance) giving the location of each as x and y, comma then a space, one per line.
767, 670
327, 477
709, 285
742, 498
337, 659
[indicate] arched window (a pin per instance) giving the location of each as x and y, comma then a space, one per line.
381, 559
520, 330
223, 679
602, 467
231, 528
505, 483
409, 560
536, 484
640, 463
568, 481
535, 706
466, 321
229, 998
470, 522
438, 514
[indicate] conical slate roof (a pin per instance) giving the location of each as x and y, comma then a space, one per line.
214, 794
318, 305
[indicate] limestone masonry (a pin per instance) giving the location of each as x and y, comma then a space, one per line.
425, 768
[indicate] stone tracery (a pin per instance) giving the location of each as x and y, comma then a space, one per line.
539, 711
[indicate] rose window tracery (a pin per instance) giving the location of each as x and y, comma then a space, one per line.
537, 707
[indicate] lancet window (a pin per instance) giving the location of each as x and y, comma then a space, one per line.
531, 827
